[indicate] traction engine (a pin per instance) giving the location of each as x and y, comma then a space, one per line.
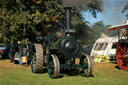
122, 45
59, 52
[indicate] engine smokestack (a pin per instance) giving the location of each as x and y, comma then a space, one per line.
68, 17
67, 4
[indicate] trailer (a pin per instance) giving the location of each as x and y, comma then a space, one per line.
105, 46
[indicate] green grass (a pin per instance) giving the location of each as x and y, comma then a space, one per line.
104, 74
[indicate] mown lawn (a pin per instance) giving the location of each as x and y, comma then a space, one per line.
104, 74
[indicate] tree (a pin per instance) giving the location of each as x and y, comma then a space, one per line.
125, 9
83, 31
97, 29
30, 18
24, 20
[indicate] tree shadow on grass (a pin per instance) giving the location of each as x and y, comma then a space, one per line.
74, 72
68, 73
44, 71
65, 72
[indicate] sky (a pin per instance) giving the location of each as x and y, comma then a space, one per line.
111, 14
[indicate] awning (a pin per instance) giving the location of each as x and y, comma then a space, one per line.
118, 27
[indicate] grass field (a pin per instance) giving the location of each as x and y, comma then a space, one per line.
104, 74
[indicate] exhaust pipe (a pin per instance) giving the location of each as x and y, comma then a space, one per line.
68, 17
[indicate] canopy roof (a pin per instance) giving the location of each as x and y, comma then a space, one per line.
118, 27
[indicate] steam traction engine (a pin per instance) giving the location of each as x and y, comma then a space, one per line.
122, 45
60, 51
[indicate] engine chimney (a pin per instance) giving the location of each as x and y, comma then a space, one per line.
68, 17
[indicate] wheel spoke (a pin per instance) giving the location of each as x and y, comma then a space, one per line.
122, 55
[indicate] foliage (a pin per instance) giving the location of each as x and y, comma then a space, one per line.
125, 8
24, 20
93, 6
97, 29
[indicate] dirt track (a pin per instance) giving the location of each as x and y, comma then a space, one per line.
8, 65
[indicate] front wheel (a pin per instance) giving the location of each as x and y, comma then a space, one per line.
86, 63
53, 66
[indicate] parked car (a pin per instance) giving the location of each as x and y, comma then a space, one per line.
105, 46
4, 50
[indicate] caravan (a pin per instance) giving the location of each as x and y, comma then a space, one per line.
105, 46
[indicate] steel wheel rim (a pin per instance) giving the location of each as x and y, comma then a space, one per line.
87, 61
53, 66
37, 59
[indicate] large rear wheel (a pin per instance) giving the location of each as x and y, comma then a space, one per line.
122, 55
37, 59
